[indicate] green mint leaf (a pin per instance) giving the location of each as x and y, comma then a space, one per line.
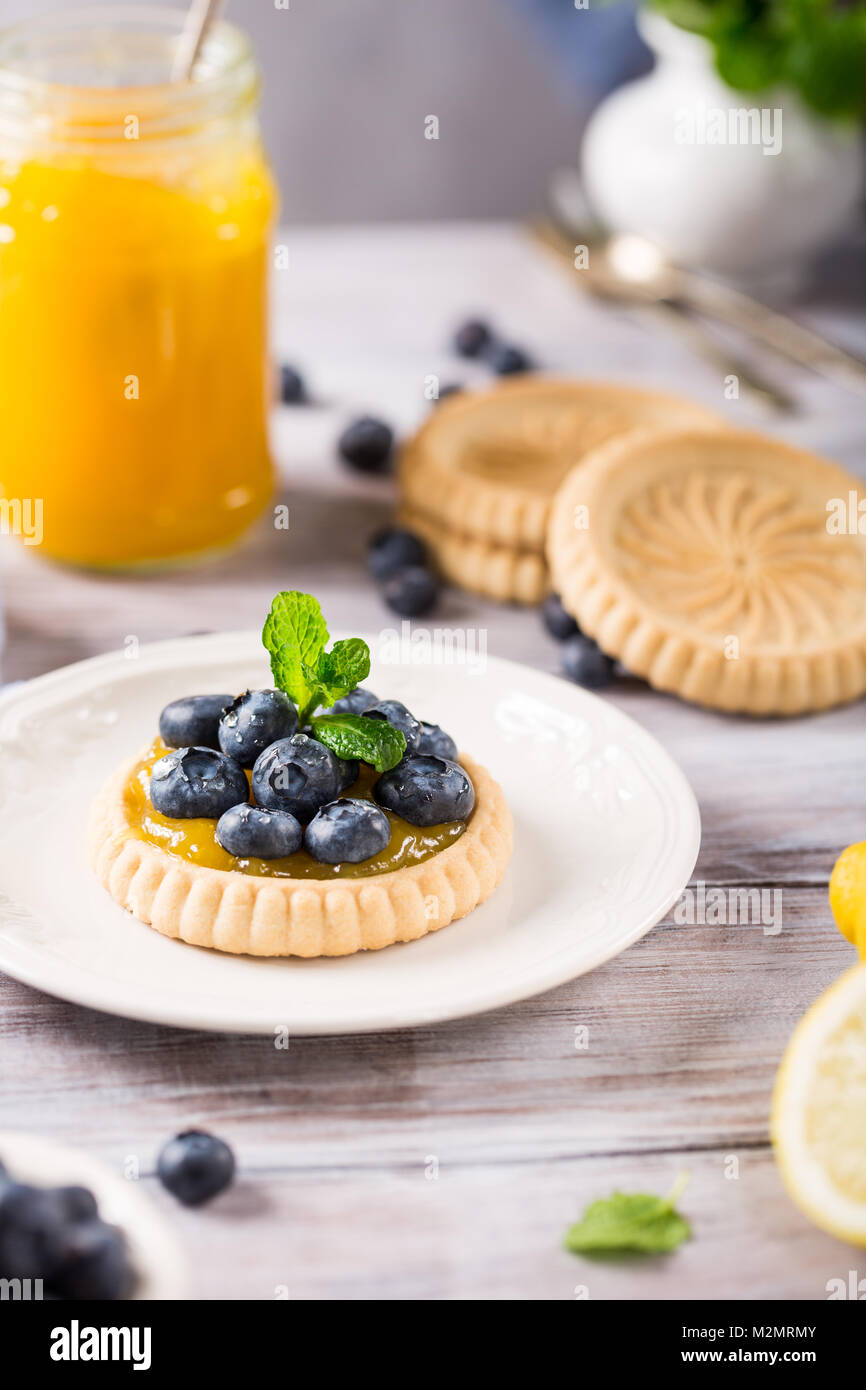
295, 635
630, 1222
346, 665
354, 736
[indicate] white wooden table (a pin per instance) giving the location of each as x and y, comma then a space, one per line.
338, 1139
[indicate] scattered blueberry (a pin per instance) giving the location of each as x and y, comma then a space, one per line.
392, 549
436, 742
95, 1264
558, 623
426, 790
396, 714
196, 782
585, 663
366, 444
253, 722
472, 338
347, 832
411, 591
56, 1235
193, 721
358, 701
247, 832
507, 360
292, 388
77, 1203
33, 1229
195, 1166
297, 774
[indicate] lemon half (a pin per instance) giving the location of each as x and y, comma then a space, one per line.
819, 1110
848, 895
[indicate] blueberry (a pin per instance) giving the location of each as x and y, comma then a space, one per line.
196, 782
77, 1203
292, 388
558, 623
392, 549
193, 721
472, 338
396, 714
95, 1264
253, 722
347, 832
411, 591
366, 444
507, 360
250, 833
195, 1166
349, 770
436, 742
426, 790
298, 775
358, 701
585, 663
55, 1234
36, 1224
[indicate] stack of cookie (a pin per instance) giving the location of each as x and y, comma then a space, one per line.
725, 567
478, 479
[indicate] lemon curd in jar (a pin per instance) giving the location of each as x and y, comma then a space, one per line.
134, 222
195, 839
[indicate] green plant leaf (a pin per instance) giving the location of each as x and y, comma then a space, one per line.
816, 48
295, 635
637, 1222
346, 665
354, 736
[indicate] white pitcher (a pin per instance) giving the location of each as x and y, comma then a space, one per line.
745, 184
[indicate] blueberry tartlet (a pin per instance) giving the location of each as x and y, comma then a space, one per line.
310, 819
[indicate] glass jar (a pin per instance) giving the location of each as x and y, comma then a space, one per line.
135, 215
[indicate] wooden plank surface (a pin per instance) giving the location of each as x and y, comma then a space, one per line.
339, 1140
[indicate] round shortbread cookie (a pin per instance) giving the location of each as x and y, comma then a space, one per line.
487, 464
710, 563
494, 571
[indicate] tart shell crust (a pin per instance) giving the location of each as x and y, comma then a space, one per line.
246, 915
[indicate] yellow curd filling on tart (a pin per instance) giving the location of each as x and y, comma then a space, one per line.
195, 839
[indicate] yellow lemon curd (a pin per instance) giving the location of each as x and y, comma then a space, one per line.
132, 351
195, 839
135, 215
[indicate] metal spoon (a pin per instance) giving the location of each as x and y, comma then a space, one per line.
618, 270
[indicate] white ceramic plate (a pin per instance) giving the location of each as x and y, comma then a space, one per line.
160, 1264
606, 835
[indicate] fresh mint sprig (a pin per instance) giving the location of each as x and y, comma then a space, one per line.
635, 1221
295, 634
353, 736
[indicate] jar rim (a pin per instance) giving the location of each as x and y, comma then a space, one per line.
225, 76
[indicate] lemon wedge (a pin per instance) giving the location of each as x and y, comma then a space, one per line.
819, 1110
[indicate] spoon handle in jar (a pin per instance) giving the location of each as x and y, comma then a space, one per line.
200, 16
